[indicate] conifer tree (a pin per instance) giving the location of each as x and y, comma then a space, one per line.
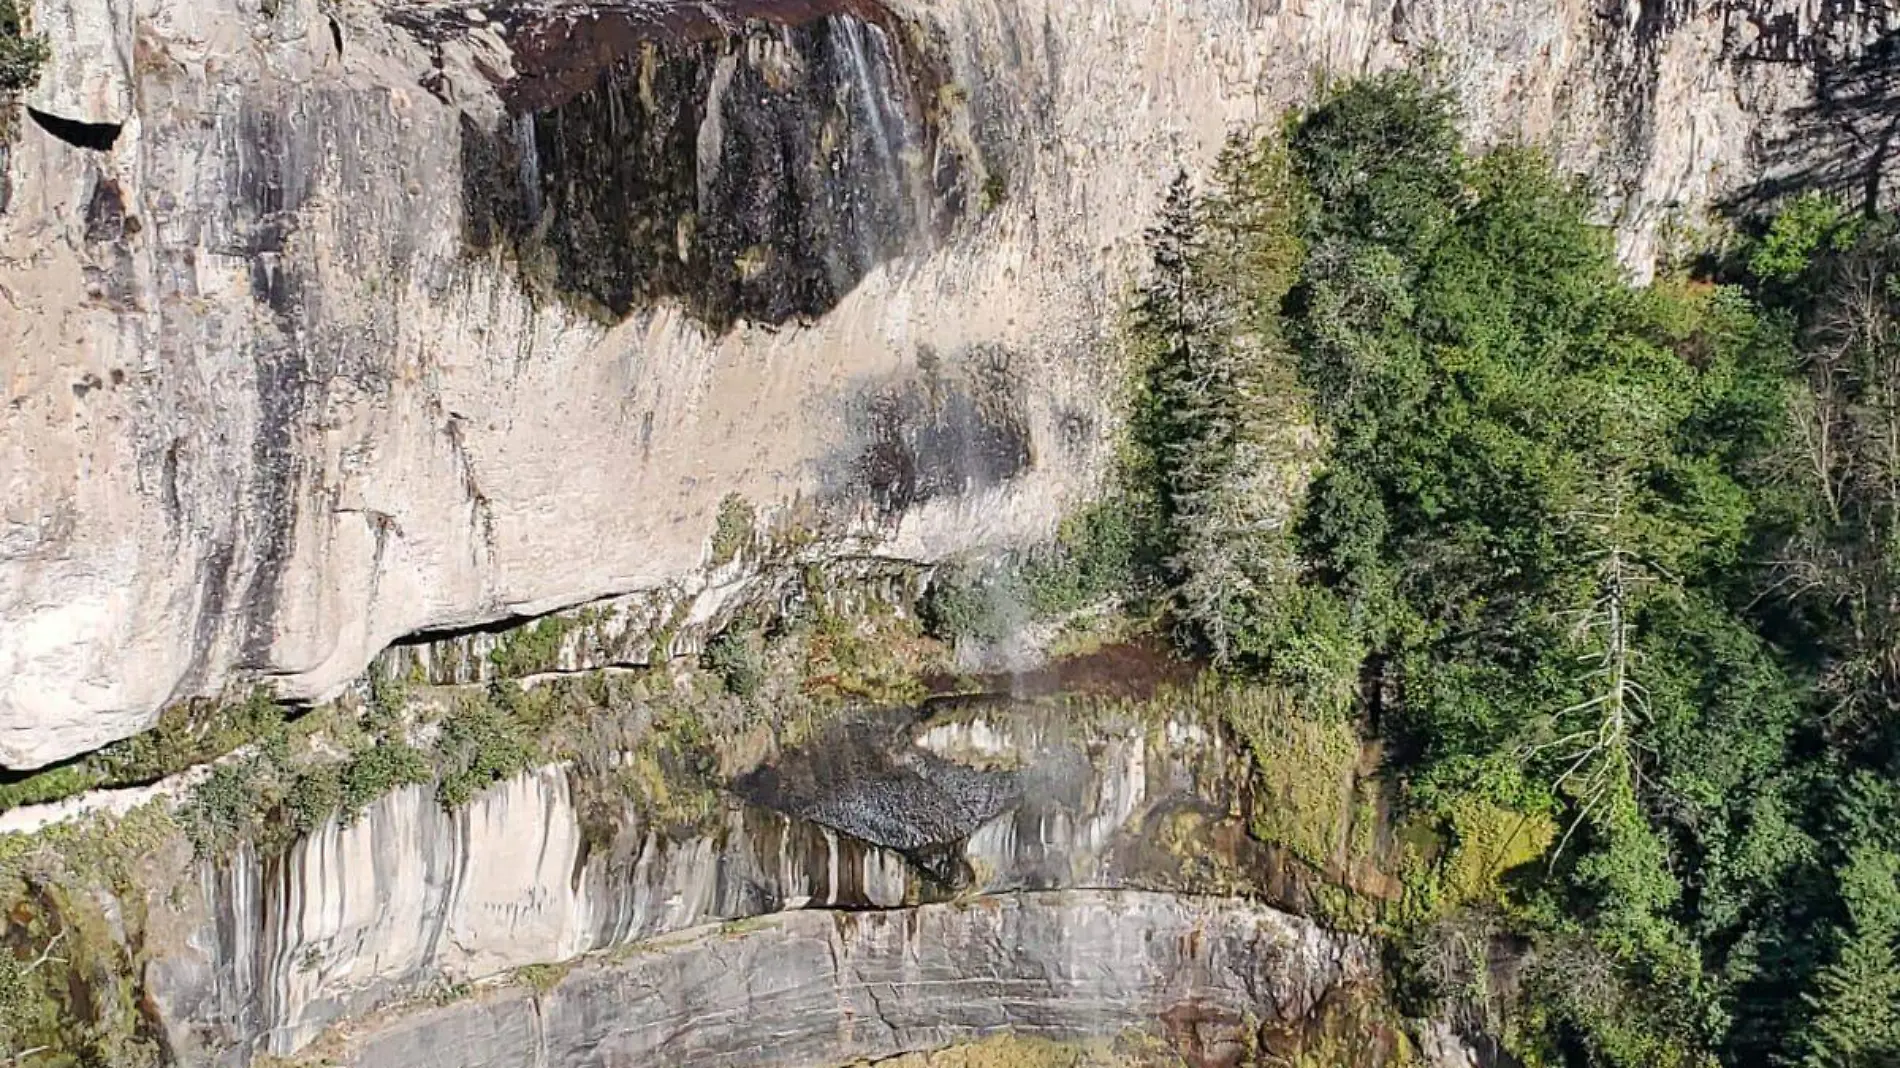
1856, 998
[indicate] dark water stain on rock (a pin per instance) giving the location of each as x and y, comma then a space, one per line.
105, 211
860, 777
1132, 670
111, 275
751, 167
558, 49
272, 181
953, 426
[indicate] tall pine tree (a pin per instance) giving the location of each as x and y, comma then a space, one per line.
1856, 999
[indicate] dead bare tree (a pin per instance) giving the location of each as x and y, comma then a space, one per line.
1598, 757
1844, 565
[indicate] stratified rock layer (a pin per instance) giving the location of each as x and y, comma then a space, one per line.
810, 989
329, 323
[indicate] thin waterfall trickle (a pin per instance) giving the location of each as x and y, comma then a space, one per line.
872, 99
886, 71
528, 162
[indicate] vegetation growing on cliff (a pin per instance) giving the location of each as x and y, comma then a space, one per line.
21, 54
69, 993
1611, 566
187, 734
1094, 558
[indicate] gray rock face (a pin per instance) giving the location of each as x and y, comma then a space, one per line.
381, 316
815, 988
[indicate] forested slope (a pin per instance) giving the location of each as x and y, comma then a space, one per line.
1612, 572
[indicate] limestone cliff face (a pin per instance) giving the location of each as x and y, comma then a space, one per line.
264, 956
330, 322
812, 989
409, 899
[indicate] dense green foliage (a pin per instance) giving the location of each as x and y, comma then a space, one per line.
274, 791
482, 742
21, 54
531, 647
737, 656
1613, 569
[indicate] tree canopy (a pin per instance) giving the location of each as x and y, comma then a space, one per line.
1623, 559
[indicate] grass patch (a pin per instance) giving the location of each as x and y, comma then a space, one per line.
1488, 842
542, 978
877, 659
1303, 766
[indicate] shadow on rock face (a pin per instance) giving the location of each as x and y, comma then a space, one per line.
940, 431
1846, 140
750, 169
862, 778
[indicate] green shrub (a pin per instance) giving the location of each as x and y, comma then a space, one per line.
737, 656
1809, 225
542, 978
227, 806
532, 648
51, 784
1096, 556
316, 796
1306, 642
21, 55
972, 602
377, 770
733, 528
672, 774
388, 700
69, 992
190, 733
479, 746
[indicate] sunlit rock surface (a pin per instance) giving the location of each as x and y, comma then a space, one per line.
331, 323
409, 898
876, 813
815, 988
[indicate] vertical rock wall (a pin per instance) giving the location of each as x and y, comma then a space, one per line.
810, 989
